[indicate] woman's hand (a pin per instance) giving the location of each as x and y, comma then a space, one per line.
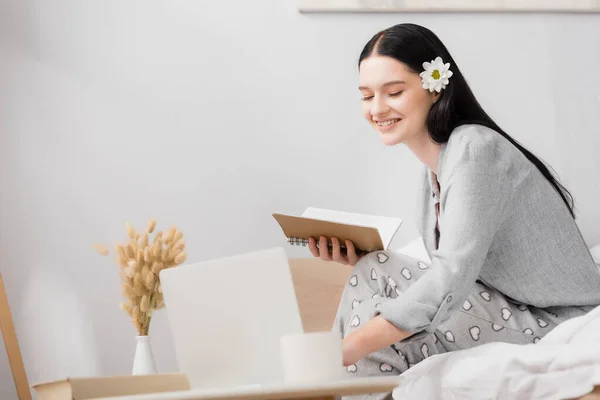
351, 352
335, 253
373, 336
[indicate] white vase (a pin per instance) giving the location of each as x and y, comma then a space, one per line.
143, 361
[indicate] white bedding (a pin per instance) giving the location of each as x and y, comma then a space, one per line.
564, 364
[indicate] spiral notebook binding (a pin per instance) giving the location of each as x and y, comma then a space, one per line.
296, 241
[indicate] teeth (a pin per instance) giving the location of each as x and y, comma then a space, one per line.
387, 123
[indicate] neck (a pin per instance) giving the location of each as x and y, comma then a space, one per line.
426, 150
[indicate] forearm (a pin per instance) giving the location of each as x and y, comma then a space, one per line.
375, 335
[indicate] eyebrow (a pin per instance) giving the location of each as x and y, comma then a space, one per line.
384, 85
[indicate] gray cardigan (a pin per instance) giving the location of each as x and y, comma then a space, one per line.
501, 223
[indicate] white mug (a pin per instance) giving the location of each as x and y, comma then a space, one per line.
310, 357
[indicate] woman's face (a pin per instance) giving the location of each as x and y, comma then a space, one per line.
393, 99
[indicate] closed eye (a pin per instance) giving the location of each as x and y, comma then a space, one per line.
395, 94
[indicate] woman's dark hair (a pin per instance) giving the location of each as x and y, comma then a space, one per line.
412, 45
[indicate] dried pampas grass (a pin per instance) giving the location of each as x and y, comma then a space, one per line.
140, 261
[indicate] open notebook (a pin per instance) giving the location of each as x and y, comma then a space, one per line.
367, 232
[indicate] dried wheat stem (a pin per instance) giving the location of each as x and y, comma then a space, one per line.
151, 225
140, 260
178, 235
181, 257
129, 251
148, 255
100, 248
179, 245
170, 234
159, 236
157, 249
157, 266
120, 250
130, 231
122, 261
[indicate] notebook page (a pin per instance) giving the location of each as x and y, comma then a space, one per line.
387, 226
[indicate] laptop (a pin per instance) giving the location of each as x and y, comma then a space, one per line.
227, 315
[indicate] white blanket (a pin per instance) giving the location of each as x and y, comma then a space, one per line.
564, 364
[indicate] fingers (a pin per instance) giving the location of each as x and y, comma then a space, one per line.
336, 252
312, 246
351, 253
324, 249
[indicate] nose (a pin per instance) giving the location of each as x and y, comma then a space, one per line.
379, 107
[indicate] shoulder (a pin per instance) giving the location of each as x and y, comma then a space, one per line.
478, 143
479, 150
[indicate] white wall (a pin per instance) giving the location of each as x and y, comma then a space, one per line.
211, 116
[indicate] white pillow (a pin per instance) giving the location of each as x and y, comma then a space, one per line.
415, 249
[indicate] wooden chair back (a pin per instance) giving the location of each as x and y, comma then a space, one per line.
11, 344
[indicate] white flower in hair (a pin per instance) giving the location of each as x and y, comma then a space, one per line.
436, 75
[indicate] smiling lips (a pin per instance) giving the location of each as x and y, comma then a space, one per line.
387, 125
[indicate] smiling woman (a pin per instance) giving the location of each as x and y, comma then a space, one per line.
508, 263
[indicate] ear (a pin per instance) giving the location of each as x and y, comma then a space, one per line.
436, 96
